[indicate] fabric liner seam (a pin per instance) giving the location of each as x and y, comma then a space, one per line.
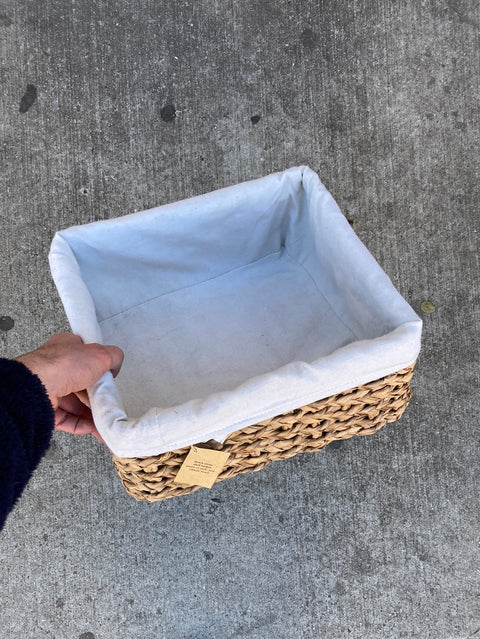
302, 267
184, 288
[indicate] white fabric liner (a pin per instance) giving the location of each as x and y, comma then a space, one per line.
231, 308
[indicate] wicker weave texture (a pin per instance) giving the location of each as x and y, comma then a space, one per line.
359, 411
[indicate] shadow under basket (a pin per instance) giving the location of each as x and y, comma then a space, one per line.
360, 411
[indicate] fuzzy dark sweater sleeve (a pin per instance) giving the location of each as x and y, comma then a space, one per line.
26, 425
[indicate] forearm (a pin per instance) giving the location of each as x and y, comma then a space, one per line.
26, 425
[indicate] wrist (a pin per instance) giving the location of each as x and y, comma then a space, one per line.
34, 366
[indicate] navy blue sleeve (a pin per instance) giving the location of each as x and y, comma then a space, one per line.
26, 425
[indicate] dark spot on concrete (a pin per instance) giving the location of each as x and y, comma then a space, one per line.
334, 445
130, 602
255, 119
217, 500
430, 116
361, 95
212, 509
84, 191
364, 146
362, 562
29, 98
87, 635
168, 113
309, 39
337, 116
281, 518
6, 323
208, 555
5, 21
352, 220
460, 15
60, 602
423, 555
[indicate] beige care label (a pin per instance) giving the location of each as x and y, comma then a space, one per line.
201, 467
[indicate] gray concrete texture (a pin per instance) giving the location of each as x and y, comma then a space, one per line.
374, 537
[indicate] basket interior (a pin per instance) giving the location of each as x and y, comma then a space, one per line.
231, 307
215, 335
202, 302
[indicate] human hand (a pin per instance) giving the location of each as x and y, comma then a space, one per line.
66, 367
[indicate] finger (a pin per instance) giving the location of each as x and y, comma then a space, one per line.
84, 366
64, 339
73, 423
83, 397
72, 416
98, 360
96, 434
117, 357
72, 404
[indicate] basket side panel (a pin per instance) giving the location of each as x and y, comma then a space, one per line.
357, 412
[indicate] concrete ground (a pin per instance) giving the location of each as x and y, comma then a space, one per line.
107, 108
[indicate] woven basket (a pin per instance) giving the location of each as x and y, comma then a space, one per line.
360, 411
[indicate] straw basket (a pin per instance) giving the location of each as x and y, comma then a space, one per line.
359, 411
235, 308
